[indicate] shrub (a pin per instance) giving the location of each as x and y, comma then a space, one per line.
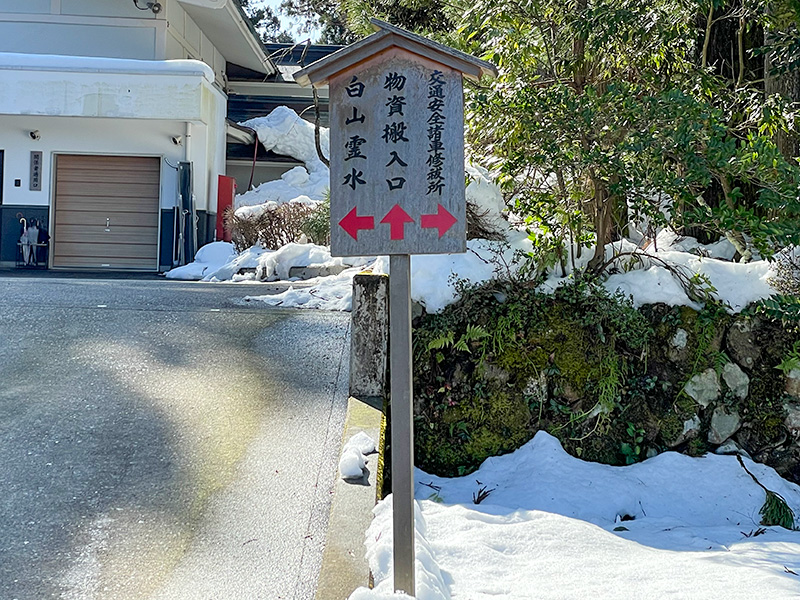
317, 225
271, 229
787, 273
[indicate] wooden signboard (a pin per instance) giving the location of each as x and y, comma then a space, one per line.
397, 158
397, 188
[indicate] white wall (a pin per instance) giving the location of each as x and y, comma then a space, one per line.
70, 135
121, 137
25, 6
185, 40
78, 40
106, 8
112, 28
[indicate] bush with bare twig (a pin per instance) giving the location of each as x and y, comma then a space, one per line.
271, 229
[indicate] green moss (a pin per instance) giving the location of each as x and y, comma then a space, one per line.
671, 426
697, 447
592, 350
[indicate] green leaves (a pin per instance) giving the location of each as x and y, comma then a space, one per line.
472, 334
632, 450
602, 106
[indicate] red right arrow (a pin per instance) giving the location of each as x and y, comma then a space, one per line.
442, 221
352, 223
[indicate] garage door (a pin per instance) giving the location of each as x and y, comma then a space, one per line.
106, 212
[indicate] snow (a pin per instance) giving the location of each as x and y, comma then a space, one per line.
249, 259
548, 524
433, 276
352, 463
284, 132
208, 259
354, 455
362, 442
736, 284
276, 265
325, 293
94, 64
485, 197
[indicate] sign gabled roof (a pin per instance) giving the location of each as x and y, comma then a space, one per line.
387, 36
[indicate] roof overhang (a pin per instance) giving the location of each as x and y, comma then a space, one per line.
239, 134
227, 26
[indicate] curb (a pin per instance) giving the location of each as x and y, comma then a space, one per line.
344, 565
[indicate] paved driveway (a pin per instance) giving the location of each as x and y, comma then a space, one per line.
157, 440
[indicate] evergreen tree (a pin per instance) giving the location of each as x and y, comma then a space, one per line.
266, 22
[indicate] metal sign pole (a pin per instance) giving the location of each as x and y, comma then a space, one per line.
402, 421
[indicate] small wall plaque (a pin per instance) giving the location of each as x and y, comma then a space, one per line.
36, 171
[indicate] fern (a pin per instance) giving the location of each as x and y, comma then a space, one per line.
473, 333
792, 360
443, 341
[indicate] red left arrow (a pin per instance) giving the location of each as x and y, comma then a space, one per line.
442, 221
352, 223
397, 219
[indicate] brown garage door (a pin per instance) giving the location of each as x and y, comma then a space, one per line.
106, 212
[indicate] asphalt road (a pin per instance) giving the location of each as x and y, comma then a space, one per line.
160, 440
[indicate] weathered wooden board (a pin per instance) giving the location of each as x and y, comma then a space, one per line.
397, 157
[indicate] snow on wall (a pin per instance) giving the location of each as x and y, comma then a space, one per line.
108, 88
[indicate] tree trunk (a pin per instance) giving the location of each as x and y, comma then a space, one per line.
788, 86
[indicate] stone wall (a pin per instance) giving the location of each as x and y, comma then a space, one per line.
599, 377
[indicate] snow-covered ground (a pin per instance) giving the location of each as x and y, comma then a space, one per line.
556, 527
433, 277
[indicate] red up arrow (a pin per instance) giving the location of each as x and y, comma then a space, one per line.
397, 218
352, 223
442, 221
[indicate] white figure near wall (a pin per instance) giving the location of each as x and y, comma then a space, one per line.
28, 240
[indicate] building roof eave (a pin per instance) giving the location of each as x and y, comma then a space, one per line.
227, 26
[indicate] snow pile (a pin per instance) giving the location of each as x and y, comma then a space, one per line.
325, 293
284, 132
670, 527
218, 261
669, 240
433, 276
736, 284
660, 272
354, 456
208, 259
334, 292
486, 198
431, 581
276, 265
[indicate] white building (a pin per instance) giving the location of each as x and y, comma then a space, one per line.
112, 113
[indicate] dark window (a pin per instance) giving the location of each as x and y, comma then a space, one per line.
1, 176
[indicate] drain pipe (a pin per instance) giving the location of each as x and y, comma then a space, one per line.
255, 153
